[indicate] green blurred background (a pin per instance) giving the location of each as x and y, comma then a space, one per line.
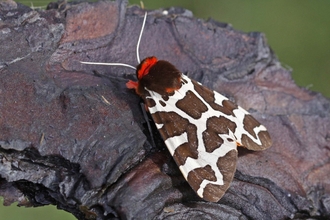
297, 30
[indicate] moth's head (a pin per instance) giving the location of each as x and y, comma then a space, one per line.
144, 67
157, 75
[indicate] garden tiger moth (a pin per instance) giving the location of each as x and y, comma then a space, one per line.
200, 127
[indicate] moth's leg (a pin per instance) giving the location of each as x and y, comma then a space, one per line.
146, 118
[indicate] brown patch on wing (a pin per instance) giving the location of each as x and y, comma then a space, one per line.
230, 106
216, 126
264, 136
204, 92
188, 149
183, 152
174, 125
226, 109
165, 97
192, 105
150, 102
227, 167
208, 96
250, 123
196, 176
162, 103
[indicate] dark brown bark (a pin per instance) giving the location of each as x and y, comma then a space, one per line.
78, 140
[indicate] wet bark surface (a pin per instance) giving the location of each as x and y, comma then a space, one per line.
74, 136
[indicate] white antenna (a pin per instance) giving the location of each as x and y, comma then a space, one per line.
109, 64
140, 36
137, 51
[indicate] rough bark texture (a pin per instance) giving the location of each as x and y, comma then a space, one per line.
72, 135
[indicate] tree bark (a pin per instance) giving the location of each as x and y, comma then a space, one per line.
72, 135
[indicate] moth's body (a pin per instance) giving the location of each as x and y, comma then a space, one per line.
200, 127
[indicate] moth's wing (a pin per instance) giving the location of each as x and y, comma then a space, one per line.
202, 130
248, 131
200, 138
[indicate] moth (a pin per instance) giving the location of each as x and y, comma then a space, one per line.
200, 127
